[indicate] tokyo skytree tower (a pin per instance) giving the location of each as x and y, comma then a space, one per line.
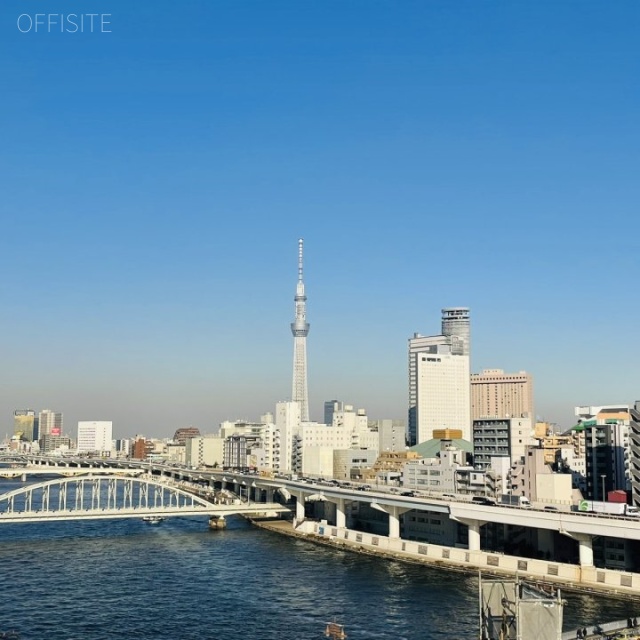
300, 330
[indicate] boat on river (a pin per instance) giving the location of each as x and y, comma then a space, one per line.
153, 519
335, 631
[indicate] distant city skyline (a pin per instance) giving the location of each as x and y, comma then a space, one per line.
155, 179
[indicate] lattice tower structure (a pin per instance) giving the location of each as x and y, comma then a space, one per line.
300, 331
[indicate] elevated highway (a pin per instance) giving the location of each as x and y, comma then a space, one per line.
582, 527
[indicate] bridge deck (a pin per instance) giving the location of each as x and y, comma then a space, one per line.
220, 510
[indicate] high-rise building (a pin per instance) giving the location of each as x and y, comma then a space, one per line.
50, 423
454, 339
609, 448
25, 425
95, 436
300, 331
496, 394
442, 393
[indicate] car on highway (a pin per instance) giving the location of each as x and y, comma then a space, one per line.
483, 500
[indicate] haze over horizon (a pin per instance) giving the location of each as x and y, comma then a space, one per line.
155, 181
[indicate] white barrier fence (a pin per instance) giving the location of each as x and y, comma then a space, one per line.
527, 568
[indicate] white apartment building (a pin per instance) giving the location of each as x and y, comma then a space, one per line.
391, 434
435, 474
349, 430
204, 451
95, 436
442, 393
292, 446
496, 394
260, 447
288, 424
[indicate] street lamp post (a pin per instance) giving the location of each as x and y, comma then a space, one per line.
603, 476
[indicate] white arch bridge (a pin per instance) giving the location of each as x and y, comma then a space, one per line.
108, 497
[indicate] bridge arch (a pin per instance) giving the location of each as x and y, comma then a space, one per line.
107, 495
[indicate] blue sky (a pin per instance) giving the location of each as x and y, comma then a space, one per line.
154, 182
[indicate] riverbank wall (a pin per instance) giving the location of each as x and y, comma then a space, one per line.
567, 576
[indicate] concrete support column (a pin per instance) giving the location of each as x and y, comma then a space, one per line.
394, 523
394, 514
341, 518
300, 508
585, 543
474, 535
268, 495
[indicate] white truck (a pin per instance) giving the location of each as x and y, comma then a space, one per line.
611, 508
515, 501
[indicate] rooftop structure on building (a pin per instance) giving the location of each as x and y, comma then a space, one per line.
181, 434
441, 439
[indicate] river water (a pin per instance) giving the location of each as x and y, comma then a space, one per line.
180, 581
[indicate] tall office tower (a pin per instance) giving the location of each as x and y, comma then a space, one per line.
25, 425
442, 393
456, 336
496, 394
300, 331
95, 436
50, 423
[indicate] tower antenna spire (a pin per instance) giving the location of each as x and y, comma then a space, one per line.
300, 252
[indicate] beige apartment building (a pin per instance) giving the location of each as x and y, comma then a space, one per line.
496, 394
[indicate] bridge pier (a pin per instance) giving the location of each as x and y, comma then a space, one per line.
394, 514
474, 532
300, 508
585, 547
474, 535
341, 517
586, 551
23, 477
217, 523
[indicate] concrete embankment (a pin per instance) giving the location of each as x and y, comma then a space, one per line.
570, 577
